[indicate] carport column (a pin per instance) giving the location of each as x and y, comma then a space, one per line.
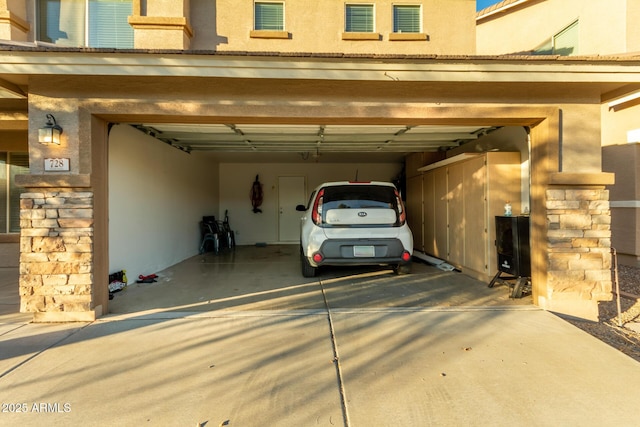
579, 245
56, 254
64, 251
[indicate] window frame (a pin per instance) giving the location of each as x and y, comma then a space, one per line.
395, 7
572, 29
346, 17
550, 46
274, 2
87, 21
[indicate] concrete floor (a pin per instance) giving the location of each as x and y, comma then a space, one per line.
269, 278
9, 298
241, 339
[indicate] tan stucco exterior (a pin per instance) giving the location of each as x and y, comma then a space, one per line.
329, 80
313, 27
310, 27
605, 28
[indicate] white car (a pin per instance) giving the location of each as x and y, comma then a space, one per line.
355, 223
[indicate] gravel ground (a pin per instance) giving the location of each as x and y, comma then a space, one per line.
625, 338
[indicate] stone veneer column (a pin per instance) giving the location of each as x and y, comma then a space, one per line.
579, 249
56, 254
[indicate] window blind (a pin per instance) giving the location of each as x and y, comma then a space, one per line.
359, 18
67, 23
108, 24
406, 19
269, 16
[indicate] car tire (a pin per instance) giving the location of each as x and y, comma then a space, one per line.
307, 269
401, 269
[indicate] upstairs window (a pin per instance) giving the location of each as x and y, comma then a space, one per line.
269, 16
359, 18
564, 43
406, 19
92, 23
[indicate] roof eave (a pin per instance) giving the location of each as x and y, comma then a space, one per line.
439, 68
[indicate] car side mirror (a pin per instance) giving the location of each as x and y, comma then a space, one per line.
301, 208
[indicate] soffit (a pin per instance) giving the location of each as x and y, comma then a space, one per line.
550, 74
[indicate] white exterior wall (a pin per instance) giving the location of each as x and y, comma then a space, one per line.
157, 196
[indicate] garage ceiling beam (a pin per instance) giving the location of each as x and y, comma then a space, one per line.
10, 90
14, 120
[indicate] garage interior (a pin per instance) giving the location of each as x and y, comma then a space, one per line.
172, 174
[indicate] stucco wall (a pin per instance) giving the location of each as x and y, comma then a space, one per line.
603, 26
317, 26
157, 196
623, 158
616, 122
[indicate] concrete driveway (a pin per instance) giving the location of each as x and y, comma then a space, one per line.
241, 339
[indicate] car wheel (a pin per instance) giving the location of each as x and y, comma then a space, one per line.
307, 269
402, 269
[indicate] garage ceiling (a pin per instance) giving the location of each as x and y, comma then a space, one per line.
312, 140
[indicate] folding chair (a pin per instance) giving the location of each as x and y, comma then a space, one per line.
210, 236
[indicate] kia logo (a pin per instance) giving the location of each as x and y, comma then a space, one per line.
362, 214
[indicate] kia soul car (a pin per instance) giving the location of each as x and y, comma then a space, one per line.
355, 223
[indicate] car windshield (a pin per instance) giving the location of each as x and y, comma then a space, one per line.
359, 197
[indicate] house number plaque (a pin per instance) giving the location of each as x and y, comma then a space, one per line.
55, 165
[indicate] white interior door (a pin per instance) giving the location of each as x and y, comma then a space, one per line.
291, 192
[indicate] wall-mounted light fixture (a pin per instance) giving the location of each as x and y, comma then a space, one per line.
50, 132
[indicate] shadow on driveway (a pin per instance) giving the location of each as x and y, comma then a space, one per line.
242, 339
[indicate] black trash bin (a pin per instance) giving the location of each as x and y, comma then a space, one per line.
513, 250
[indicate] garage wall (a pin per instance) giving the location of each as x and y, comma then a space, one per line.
158, 192
236, 180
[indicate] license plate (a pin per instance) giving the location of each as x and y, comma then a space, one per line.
364, 251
